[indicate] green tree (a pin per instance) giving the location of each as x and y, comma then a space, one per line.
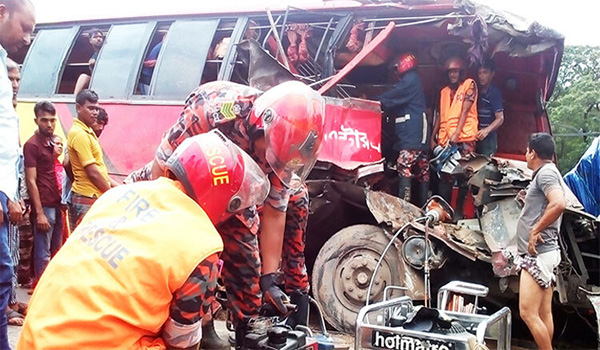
574, 108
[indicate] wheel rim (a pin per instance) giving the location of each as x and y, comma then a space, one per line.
353, 275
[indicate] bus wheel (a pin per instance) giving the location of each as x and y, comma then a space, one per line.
343, 269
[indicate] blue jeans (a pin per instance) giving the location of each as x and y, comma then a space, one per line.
46, 244
488, 146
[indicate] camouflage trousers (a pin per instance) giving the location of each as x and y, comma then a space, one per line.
25, 268
241, 259
413, 163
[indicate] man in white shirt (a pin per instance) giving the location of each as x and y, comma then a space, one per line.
17, 21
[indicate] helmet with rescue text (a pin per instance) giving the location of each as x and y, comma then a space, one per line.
218, 175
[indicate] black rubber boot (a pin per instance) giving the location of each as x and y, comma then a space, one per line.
210, 338
300, 316
460, 202
241, 329
404, 188
422, 193
445, 190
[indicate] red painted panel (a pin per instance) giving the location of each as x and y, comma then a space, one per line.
352, 133
132, 135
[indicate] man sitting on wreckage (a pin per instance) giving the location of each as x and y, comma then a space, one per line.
282, 130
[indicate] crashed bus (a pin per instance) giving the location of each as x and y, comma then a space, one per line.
345, 51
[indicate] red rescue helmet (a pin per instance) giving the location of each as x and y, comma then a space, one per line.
218, 175
454, 62
292, 116
406, 62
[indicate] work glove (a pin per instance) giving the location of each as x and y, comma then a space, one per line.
272, 294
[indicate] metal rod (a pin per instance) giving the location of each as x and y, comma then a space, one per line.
323, 39
277, 39
285, 17
450, 15
426, 265
408, 24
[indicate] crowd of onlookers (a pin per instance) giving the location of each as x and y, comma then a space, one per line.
49, 188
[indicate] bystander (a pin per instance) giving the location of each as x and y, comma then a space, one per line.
43, 188
16, 310
17, 21
537, 232
90, 177
96, 39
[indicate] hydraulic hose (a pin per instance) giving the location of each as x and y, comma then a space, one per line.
385, 251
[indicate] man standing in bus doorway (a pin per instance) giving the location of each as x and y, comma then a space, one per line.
96, 39
90, 176
405, 103
282, 129
538, 229
457, 124
490, 111
17, 22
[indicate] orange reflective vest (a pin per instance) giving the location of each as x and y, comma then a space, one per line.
111, 284
450, 110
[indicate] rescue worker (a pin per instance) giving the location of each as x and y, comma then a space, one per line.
122, 280
457, 124
282, 130
405, 103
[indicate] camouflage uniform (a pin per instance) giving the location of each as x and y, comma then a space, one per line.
227, 106
414, 163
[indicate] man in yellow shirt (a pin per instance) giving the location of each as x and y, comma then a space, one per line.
90, 177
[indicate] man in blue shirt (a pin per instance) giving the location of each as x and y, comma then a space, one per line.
148, 68
489, 108
405, 104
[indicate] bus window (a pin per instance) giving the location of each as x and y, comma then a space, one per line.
218, 50
44, 60
151, 58
78, 63
120, 59
182, 58
304, 41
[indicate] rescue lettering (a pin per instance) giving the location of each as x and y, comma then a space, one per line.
104, 244
137, 205
218, 168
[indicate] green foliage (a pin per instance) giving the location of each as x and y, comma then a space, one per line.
574, 108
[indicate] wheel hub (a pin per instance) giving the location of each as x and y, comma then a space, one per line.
354, 273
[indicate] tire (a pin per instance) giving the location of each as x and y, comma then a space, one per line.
343, 270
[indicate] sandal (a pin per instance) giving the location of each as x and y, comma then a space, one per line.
14, 318
20, 307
